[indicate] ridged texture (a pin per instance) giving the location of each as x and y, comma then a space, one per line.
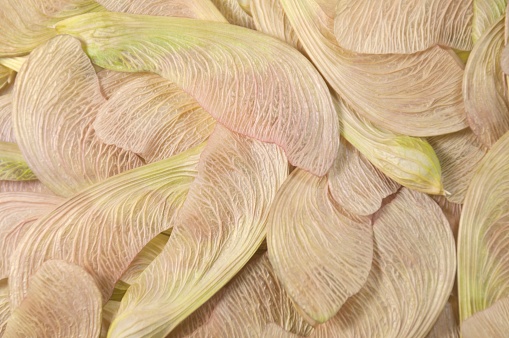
415, 94
13, 166
194, 9
5, 307
153, 118
144, 258
55, 102
104, 227
486, 13
459, 154
13, 62
111, 81
400, 26
321, 254
504, 59
271, 92
220, 227
246, 307
62, 301
483, 263
411, 277
6, 130
489, 323
409, 161
26, 24
234, 13
446, 326
484, 87
356, 184
269, 18
108, 313
28, 186
18, 213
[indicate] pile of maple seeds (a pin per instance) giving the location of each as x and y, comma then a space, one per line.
254, 168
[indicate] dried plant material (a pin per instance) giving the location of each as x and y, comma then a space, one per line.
269, 18
486, 14
108, 313
234, 13
504, 60
154, 118
415, 94
6, 77
144, 258
411, 277
6, 131
220, 226
25, 25
13, 166
131, 209
111, 81
257, 92
56, 100
24, 186
484, 87
445, 326
246, 307
5, 307
14, 62
18, 213
399, 26
452, 212
305, 229
409, 161
483, 263
489, 323
459, 155
62, 301
273, 330
194, 9
356, 184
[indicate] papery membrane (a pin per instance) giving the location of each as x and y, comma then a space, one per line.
306, 227
356, 184
13, 166
154, 118
409, 161
459, 154
62, 301
483, 263
6, 131
194, 9
246, 307
25, 25
269, 18
411, 277
491, 322
271, 92
234, 13
103, 227
219, 228
486, 13
485, 88
414, 94
56, 100
5, 308
382, 27
18, 213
